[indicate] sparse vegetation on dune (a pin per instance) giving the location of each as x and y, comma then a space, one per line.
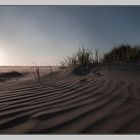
62, 65
123, 53
36, 72
83, 57
82, 61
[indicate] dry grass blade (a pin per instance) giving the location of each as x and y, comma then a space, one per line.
36, 72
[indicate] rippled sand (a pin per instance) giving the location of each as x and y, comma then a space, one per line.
108, 102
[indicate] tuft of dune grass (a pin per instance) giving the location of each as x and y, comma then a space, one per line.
83, 57
36, 72
123, 53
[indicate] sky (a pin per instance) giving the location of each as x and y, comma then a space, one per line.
47, 34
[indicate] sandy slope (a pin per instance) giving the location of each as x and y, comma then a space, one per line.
104, 103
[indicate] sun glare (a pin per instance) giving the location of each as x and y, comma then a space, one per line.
2, 56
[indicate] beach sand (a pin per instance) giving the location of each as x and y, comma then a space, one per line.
64, 103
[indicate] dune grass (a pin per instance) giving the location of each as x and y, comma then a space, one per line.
123, 53
36, 72
87, 56
82, 61
83, 57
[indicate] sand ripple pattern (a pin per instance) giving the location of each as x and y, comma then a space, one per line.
63, 104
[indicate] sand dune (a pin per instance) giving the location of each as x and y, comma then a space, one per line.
64, 104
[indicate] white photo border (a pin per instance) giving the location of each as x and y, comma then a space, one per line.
70, 2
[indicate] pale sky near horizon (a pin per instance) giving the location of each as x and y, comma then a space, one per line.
47, 34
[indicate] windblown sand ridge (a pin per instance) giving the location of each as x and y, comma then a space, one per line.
64, 104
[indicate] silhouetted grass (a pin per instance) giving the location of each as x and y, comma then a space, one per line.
62, 65
83, 57
123, 53
36, 72
81, 61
